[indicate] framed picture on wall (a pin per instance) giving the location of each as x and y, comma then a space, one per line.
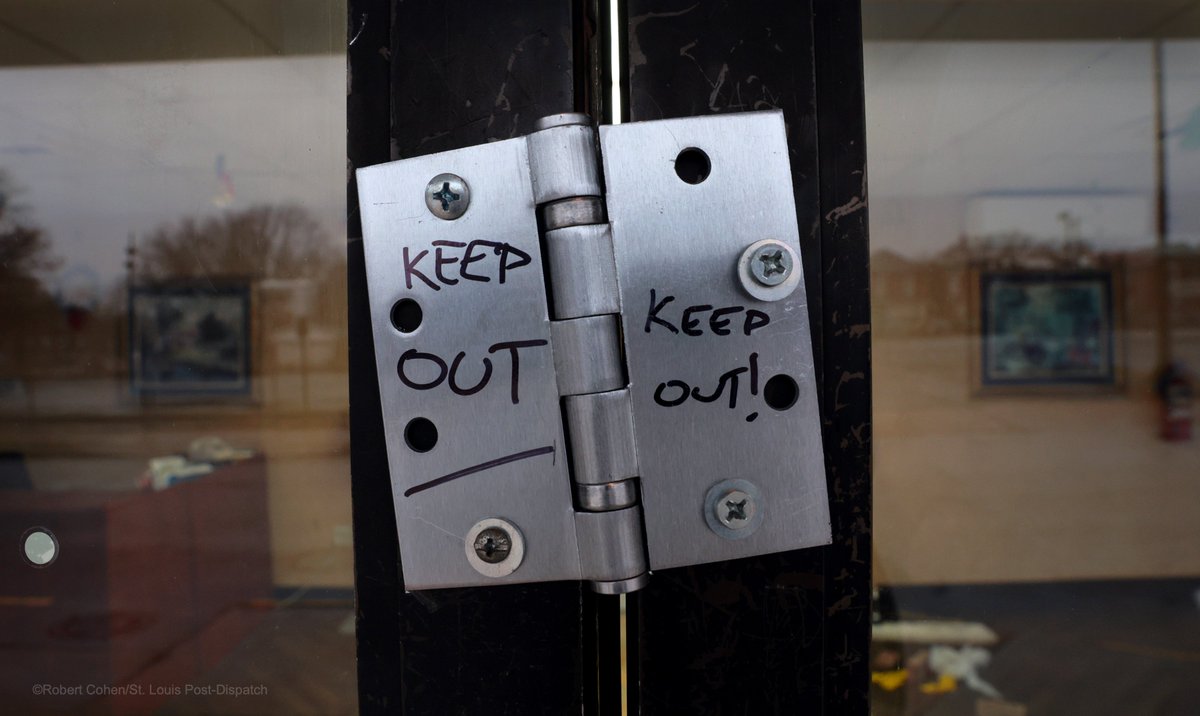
189, 340
1049, 329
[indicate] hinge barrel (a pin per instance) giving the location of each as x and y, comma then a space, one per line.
595, 342
562, 161
600, 428
583, 257
586, 336
587, 354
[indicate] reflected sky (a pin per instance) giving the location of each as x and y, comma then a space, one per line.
100, 151
997, 137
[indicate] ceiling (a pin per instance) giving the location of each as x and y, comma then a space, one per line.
1029, 19
51, 32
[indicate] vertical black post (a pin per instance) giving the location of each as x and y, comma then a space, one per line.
846, 304
784, 633
454, 76
376, 553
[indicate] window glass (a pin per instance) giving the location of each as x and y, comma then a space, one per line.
174, 470
1036, 335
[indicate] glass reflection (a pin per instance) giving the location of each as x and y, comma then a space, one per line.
1027, 296
173, 405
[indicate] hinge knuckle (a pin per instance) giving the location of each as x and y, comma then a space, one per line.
574, 211
587, 355
583, 274
607, 496
610, 544
588, 359
600, 426
562, 163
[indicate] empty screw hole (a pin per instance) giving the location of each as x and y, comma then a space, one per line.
692, 165
407, 315
420, 434
781, 392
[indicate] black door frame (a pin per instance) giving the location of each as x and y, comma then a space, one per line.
775, 634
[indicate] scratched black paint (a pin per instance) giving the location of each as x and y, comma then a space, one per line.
776, 634
784, 633
441, 77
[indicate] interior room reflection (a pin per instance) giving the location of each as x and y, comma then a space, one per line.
173, 407
1036, 299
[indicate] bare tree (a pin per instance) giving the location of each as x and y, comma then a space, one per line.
26, 257
25, 253
259, 242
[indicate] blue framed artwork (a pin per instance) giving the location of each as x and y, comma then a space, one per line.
1048, 329
189, 340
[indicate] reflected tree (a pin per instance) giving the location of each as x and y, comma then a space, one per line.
26, 258
296, 267
25, 252
264, 241
28, 313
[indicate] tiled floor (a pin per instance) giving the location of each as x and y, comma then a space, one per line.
1127, 648
1088, 648
303, 654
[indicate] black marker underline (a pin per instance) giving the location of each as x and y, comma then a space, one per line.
524, 455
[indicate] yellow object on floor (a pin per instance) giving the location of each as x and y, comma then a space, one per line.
944, 685
890, 680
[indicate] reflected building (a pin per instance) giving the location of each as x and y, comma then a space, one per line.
173, 375
1034, 269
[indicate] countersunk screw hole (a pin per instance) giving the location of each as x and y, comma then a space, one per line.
407, 315
781, 392
692, 165
420, 434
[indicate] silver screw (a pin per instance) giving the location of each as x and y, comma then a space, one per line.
735, 509
771, 263
447, 196
493, 545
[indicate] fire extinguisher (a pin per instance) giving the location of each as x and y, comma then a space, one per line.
1176, 394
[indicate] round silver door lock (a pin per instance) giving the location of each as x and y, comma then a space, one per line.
495, 547
769, 270
39, 547
733, 509
447, 196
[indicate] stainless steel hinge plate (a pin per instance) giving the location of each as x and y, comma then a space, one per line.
716, 345
477, 367
720, 364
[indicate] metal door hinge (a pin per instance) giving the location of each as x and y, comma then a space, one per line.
594, 356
